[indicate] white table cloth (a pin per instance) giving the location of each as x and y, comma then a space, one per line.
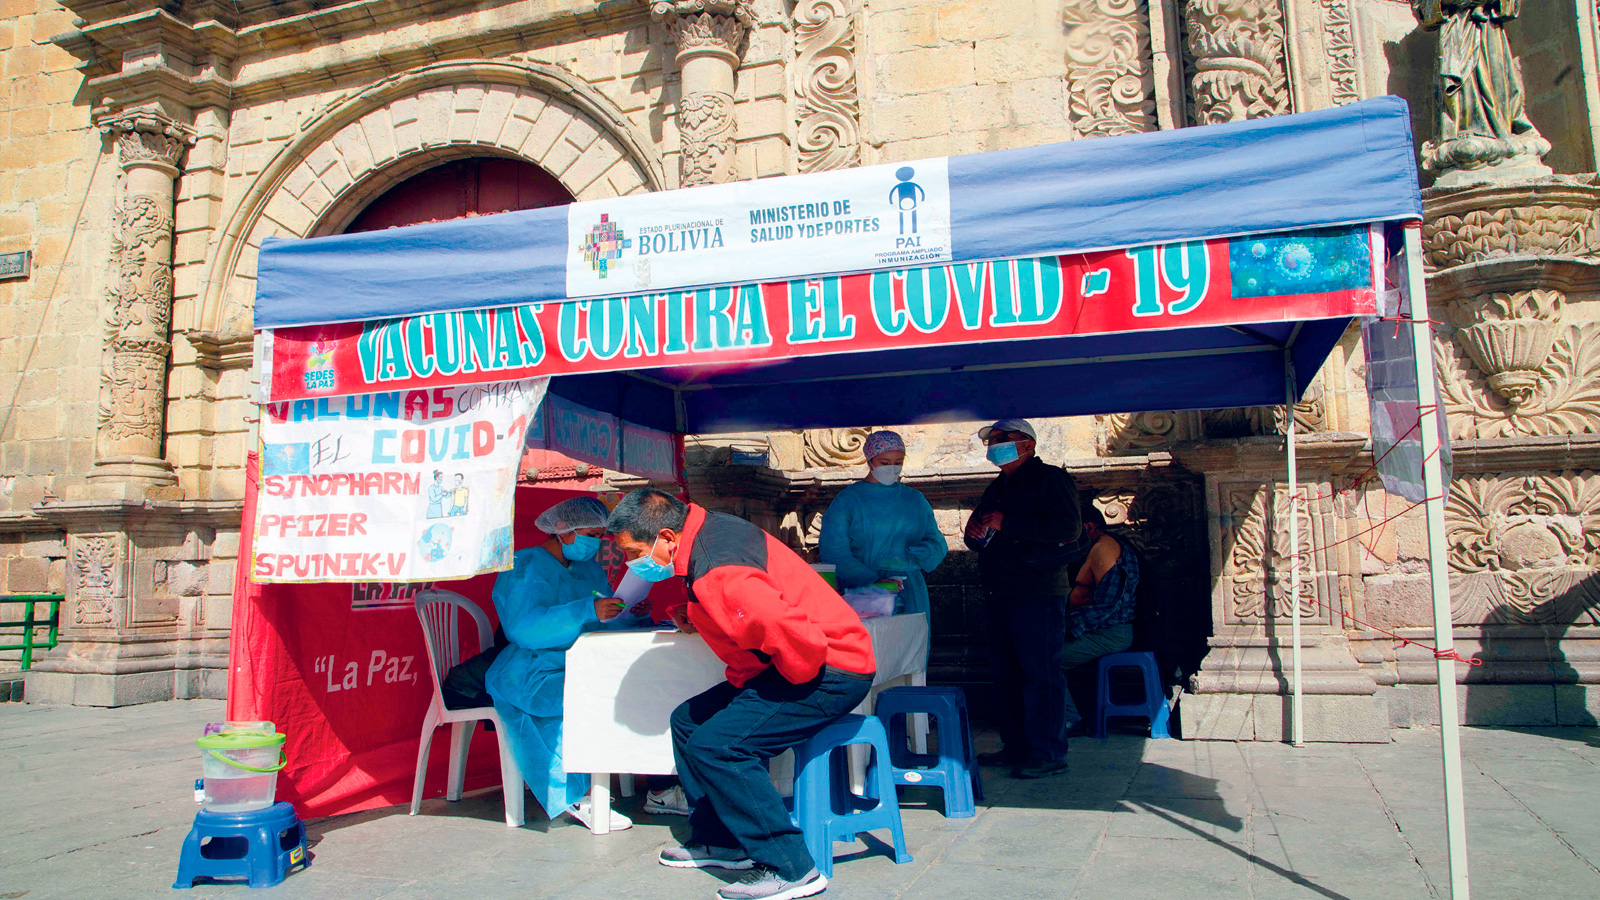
622, 687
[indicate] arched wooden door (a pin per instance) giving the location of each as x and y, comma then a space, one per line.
465, 187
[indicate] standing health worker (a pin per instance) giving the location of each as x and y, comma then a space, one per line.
879, 528
553, 593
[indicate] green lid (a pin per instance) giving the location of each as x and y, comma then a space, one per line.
240, 740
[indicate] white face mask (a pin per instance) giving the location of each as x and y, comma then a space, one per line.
886, 474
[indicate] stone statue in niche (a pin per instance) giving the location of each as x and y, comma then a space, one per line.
1484, 131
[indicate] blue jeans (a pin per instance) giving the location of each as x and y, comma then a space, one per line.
722, 740
1027, 636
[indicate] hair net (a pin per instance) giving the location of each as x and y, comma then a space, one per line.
570, 515
882, 442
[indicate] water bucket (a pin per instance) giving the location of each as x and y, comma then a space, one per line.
828, 572
241, 769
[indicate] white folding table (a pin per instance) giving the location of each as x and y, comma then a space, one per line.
622, 687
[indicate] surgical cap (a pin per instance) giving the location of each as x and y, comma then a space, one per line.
570, 515
882, 442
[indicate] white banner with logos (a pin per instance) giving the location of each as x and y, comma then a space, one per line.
768, 230
398, 486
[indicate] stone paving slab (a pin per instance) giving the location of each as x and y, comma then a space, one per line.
95, 803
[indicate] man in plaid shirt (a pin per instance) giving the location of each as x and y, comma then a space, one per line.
1101, 605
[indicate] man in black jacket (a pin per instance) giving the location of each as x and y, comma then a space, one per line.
1027, 530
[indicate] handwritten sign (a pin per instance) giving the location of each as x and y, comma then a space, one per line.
394, 487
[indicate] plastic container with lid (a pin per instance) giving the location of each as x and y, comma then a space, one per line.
241, 769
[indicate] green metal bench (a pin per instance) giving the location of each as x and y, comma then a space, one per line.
30, 625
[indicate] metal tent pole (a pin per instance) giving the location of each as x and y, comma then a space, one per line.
1297, 720
1455, 820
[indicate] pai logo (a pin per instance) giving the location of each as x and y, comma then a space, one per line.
603, 245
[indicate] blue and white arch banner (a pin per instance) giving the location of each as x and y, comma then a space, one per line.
1335, 167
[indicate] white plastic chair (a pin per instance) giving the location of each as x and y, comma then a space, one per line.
440, 615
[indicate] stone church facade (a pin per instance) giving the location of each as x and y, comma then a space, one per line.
149, 148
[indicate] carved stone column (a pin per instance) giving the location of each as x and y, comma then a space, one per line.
133, 387
710, 35
1235, 59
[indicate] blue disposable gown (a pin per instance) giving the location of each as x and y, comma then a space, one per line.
873, 530
543, 607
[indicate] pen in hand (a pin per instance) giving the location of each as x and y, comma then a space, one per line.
606, 608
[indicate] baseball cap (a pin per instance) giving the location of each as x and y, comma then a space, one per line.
1015, 426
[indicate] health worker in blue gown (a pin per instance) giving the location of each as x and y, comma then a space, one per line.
879, 528
553, 593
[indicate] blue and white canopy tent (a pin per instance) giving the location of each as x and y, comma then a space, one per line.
1199, 268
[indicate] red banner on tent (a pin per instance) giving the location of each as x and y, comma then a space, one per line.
1324, 273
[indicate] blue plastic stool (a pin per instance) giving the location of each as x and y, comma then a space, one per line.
955, 768
1152, 707
261, 845
825, 810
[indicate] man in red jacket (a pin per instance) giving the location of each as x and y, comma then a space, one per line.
798, 658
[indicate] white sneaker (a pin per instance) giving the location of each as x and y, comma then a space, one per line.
670, 802
580, 811
762, 883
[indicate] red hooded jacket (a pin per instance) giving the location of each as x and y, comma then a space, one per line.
758, 604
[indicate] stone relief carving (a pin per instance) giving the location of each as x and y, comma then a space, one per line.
1236, 60
95, 572
801, 529
714, 29
1339, 45
147, 138
1509, 365
717, 26
1310, 414
706, 129
1483, 119
1508, 337
827, 108
1256, 572
1110, 75
1525, 549
1116, 506
132, 392
1121, 434
1516, 229
141, 251
1162, 513
829, 447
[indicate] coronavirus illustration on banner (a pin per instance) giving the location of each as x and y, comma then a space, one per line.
391, 487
